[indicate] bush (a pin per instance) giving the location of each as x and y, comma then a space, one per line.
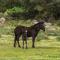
14, 12
41, 36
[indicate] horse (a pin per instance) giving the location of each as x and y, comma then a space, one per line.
26, 32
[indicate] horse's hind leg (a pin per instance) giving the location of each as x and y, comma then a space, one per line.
24, 38
16, 40
23, 44
33, 41
14, 43
18, 43
26, 43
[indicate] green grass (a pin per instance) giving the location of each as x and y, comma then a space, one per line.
46, 49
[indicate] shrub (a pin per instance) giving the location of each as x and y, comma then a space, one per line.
14, 12
41, 36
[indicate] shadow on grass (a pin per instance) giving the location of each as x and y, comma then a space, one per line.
47, 47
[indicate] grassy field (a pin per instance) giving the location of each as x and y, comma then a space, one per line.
46, 49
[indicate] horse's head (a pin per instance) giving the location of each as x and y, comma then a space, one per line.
41, 25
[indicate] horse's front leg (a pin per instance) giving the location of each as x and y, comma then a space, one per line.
33, 42
33, 39
26, 39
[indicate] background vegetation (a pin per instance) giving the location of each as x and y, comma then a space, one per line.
31, 9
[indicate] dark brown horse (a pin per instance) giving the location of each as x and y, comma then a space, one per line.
27, 32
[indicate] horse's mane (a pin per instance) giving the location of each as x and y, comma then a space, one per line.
39, 23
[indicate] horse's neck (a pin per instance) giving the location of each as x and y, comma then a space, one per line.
37, 29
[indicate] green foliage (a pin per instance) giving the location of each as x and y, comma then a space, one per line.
54, 10
41, 36
14, 12
25, 8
